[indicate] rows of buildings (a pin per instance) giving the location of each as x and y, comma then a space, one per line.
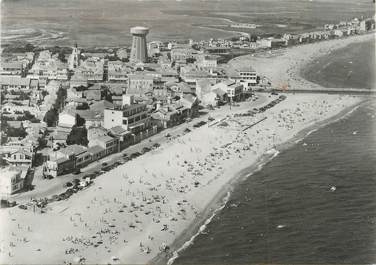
117, 98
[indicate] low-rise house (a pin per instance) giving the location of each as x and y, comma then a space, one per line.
203, 87
92, 69
12, 180
92, 118
190, 102
19, 107
118, 71
208, 61
125, 137
67, 119
77, 153
97, 152
245, 75
140, 84
110, 144
11, 68
57, 166
20, 157
181, 55
48, 66
11, 82
166, 116
233, 89
92, 95
95, 132
192, 75
215, 97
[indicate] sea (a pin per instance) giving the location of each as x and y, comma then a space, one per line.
106, 23
314, 203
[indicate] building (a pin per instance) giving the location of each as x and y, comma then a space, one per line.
67, 119
139, 52
134, 118
233, 89
57, 166
11, 68
208, 61
118, 71
12, 180
48, 67
74, 58
20, 157
108, 143
245, 75
65, 160
13, 82
139, 84
96, 152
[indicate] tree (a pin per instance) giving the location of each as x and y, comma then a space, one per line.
80, 121
51, 117
16, 132
253, 38
61, 57
78, 135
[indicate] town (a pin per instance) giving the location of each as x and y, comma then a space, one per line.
66, 109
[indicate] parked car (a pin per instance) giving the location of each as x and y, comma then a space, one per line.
68, 184
145, 149
23, 207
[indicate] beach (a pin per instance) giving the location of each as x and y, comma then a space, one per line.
283, 67
147, 207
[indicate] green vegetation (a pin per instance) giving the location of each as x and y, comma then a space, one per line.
16, 132
52, 115
78, 135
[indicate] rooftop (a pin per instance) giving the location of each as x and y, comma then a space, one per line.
74, 149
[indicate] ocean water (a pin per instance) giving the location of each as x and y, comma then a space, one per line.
107, 22
314, 203
341, 68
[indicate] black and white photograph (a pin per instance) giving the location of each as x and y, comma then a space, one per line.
173, 132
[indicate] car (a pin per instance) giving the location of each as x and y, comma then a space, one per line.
23, 207
156, 145
211, 119
187, 130
145, 149
104, 164
134, 155
68, 184
167, 135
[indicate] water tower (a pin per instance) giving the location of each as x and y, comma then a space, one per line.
139, 52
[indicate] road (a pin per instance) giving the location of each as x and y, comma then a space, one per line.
46, 188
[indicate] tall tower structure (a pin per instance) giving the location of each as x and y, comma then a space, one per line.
139, 51
74, 58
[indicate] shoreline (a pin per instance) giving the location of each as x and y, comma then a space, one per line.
220, 200
158, 190
217, 203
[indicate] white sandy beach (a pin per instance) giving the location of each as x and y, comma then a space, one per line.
283, 66
132, 211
